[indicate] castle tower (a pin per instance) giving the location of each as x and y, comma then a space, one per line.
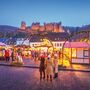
48, 27
35, 26
23, 25
58, 27
61, 28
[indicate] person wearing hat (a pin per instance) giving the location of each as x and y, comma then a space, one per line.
49, 68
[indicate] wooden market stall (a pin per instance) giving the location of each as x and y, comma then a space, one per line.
78, 52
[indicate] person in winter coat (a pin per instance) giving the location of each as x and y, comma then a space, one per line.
12, 55
55, 62
49, 68
42, 67
7, 55
19, 57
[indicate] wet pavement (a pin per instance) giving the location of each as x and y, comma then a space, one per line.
19, 78
35, 64
26, 61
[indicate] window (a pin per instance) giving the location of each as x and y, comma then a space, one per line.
33, 45
74, 52
60, 44
55, 38
86, 53
57, 44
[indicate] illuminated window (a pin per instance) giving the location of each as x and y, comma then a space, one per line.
74, 52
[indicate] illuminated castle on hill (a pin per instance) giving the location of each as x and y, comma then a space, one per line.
49, 27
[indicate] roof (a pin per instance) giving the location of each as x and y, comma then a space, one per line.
76, 45
2, 44
4, 40
51, 36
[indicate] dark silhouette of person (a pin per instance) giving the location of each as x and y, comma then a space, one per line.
12, 55
42, 68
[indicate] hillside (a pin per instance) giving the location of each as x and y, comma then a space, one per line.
76, 29
6, 28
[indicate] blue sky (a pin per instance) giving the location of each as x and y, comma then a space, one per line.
69, 12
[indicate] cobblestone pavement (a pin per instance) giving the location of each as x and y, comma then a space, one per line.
19, 78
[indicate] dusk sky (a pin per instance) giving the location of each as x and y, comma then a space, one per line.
69, 12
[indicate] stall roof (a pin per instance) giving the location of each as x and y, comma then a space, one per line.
76, 45
2, 44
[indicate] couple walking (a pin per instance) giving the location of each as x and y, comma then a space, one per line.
48, 67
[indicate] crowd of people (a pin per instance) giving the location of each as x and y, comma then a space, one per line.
48, 66
11, 55
48, 61
6, 54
